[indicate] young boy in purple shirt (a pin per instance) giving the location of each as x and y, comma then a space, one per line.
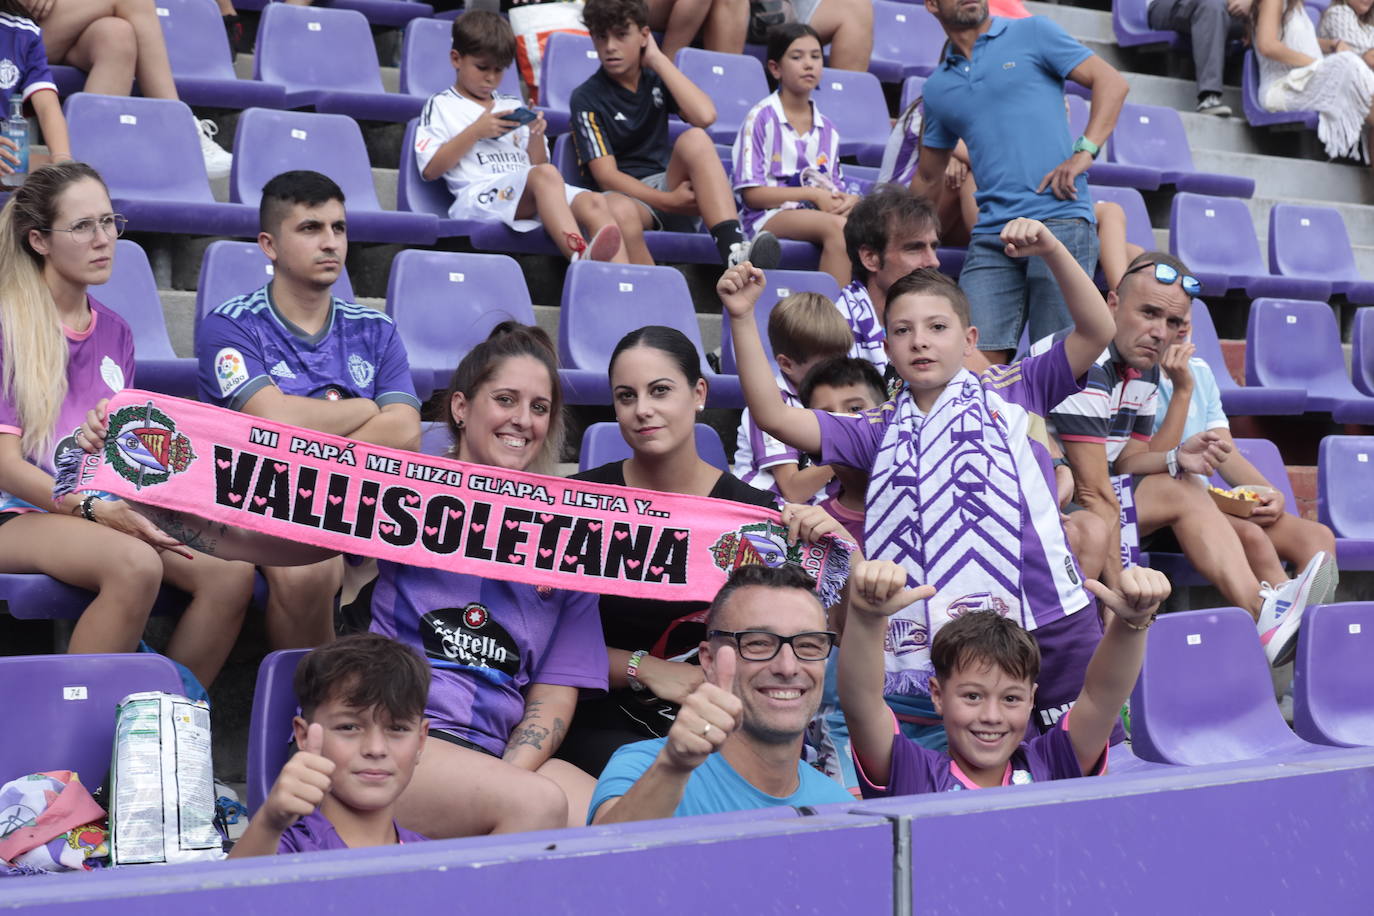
359, 736
984, 687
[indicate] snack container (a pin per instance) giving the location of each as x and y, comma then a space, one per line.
1232, 505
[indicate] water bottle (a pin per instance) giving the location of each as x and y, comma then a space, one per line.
16, 130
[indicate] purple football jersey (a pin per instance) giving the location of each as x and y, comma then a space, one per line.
314, 832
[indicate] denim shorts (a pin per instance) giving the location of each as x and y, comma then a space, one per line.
1005, 294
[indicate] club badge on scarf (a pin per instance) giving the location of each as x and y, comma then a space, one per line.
353, 497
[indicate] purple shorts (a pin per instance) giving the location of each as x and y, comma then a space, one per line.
1066, 645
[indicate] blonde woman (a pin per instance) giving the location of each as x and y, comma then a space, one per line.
62, 353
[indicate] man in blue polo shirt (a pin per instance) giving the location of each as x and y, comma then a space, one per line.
1000, 89
294, 353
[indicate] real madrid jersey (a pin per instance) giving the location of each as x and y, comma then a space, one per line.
23, 62
448, 114
245, 345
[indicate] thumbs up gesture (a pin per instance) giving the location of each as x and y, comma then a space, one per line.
878, 588
301, 786
708, 716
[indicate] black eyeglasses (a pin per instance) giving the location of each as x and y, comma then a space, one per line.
83, 230
1167, 274
763, 646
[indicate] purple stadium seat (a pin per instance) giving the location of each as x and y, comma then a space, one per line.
272, 142
1362, 351
69, 80
735, 83
425, 66
229, 269
1103, 172
907, 41
854, 102
269, 729
603, 302
1312, 242
1131, 23
1240, 401
781, 284
148, 152
1153, 137
201, 61
603, 443
132, 292
435, 438
393, 13
415, 195
1205, 695
326, 59
568, 60
1256, 113
1293, 344
912, 88
1138, 228
66, 718
1345, 497
1332, 677
1216, 239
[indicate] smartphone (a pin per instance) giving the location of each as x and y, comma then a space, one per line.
520, 115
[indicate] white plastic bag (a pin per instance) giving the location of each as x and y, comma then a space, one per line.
533, 23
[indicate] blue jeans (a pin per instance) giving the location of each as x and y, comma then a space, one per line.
1006, 293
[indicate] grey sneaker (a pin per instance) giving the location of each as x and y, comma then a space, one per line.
765, 252
1211, 104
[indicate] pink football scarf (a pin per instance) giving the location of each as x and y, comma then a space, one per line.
339, 494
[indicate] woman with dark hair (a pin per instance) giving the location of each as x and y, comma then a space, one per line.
1352, 22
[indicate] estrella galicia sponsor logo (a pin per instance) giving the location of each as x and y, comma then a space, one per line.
144, 447
467, 637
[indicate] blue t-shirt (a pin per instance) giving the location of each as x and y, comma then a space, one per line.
1007, 105
713, 788
1204, 409
245, 345
23, 62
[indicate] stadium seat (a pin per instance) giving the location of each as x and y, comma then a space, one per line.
1138, 228
1205, 695
781, 284
1257, 114
1103, 172
1131, 24
326, 59
603, 302
1345, 497
1362, 351
602, 443
415, 195
735, 83
435, 438
1240, 401
269, 728
61, 709
568, 60
1312, 242
854, 102
425, 66
1216, 239
132, 292
1293, 344
69, 80
1332, 677
272, 142
912, 87
148, 152
202, 64
229, 269
1152, 137
392, 13
907, 41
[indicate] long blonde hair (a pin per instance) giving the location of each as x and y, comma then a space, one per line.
34, 353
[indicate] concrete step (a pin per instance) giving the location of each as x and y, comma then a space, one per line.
1278, 177
1148, 89
1359, 218
1083, 24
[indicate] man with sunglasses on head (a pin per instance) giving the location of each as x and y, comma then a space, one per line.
737, 740
1108, 429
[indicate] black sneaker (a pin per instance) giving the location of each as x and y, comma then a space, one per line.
765, 252
1211, 104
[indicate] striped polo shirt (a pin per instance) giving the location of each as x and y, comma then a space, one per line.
1117, 404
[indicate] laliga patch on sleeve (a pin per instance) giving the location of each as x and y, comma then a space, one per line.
231, 370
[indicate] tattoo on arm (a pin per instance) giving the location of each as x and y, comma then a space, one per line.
203, 537
531, 733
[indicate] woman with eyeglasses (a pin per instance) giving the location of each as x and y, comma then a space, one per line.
62, 352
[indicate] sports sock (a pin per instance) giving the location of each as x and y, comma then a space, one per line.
725, 234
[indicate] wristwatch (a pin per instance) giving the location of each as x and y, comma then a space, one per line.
1084, 145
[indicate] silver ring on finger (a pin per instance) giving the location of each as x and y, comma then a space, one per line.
706, 729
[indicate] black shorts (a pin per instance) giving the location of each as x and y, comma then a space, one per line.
7, 516
451, 738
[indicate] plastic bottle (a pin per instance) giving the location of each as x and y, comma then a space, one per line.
16, 130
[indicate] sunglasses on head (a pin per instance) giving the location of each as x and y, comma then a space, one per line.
1167, 274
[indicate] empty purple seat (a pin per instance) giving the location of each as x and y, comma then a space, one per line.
1292, 344
435, 438
326, 59
132, 292
735, 83
1103, 172
854, 101
66, 718
603, 302
1216, 239
272, 142
269, 728
781, 284
602, 443
202, 64
1362, 351
1257, 114
1205, 695
1139, 231
1312, 242
1332, 677
148, 152
393, 13
1345, 497
1131, 25
568, 60
425, 66
912, 88
1240, 401
1153, 137
907, 41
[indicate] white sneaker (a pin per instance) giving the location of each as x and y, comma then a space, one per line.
1281, 613
218, 160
